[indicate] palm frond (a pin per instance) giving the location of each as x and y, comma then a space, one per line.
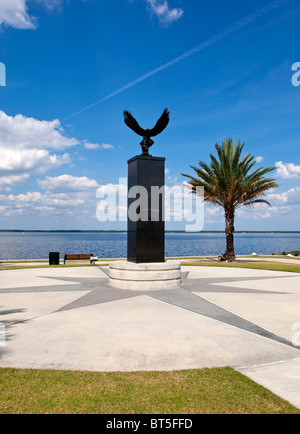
228, 180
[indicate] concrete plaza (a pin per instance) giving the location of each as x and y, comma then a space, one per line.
70, 318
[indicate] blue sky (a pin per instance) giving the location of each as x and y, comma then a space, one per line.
224, 69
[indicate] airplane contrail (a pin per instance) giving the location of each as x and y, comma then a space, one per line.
228, 31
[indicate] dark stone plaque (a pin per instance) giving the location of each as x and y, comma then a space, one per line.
146, 235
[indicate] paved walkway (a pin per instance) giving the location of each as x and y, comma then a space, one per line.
69, 318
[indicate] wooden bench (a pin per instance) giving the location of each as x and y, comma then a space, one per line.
80, 257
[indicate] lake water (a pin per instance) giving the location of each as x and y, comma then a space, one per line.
34, 245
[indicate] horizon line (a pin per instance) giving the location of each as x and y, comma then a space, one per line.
166, 231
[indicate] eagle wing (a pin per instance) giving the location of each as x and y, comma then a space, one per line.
132, 123
161, 124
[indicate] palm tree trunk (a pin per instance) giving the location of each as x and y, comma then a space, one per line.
229, 231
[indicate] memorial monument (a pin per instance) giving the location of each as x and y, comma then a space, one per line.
146, 268
146, 238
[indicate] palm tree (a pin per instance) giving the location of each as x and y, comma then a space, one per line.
228, 183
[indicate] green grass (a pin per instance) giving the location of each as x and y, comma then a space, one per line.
27, 267
206, 391
294, 258
258, 265
25, 261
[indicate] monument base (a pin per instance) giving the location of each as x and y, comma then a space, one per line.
145, 277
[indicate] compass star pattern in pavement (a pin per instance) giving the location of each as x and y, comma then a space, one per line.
183, 297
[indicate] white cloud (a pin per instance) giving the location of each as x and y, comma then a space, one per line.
27, 133
14, 13
256, 213
172, 180
91, 145
259, 159
162, 10
35, 203
50, 4
34, 200
262, 215
68, 183
106, 146
287, 170
27, 145
62, 196
215, 211
88, 145
30, 146
285, 203
290, 197
6, 182
29, 160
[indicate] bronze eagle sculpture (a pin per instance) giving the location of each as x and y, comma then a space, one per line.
161, 124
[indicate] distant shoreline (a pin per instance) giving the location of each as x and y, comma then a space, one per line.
124, 231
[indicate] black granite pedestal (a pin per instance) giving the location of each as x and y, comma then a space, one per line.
146, 236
